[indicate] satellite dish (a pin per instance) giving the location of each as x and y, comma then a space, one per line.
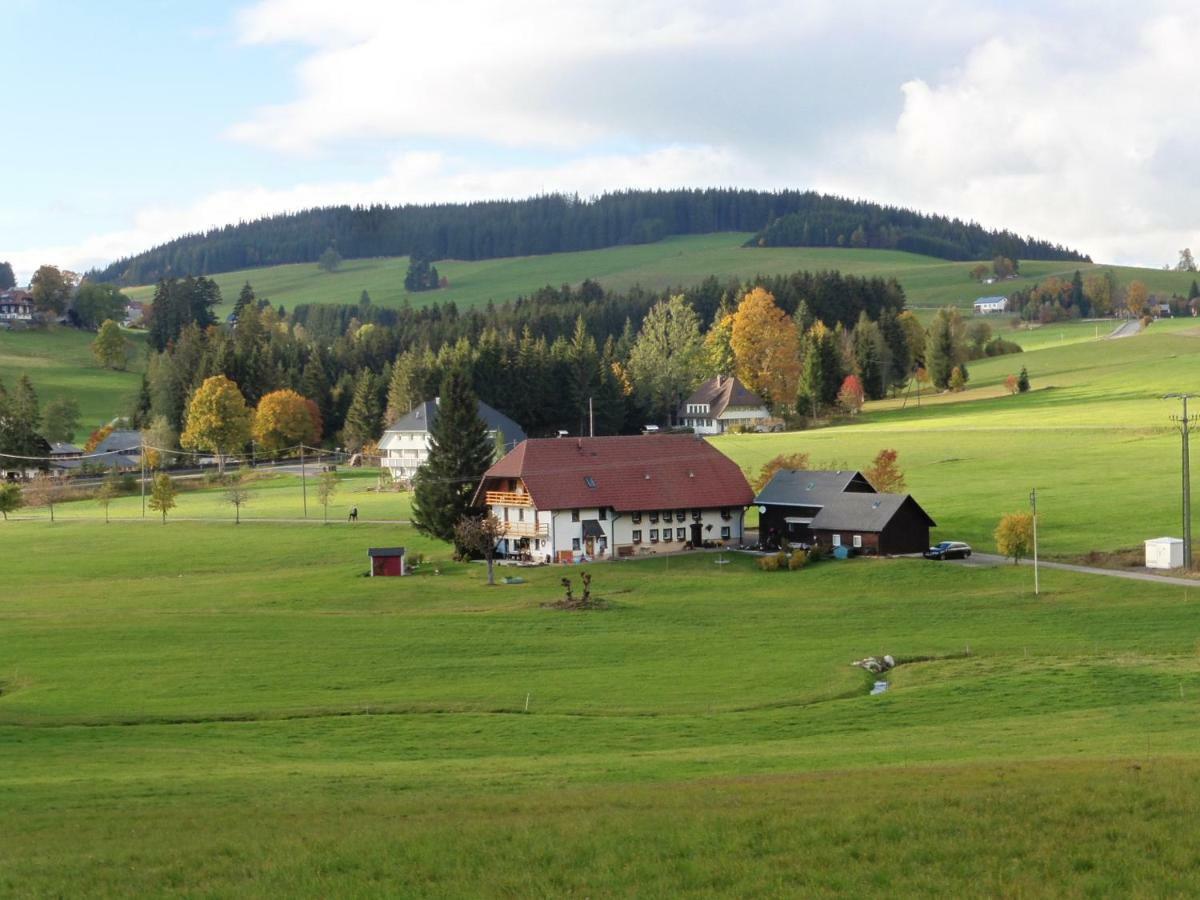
762, 509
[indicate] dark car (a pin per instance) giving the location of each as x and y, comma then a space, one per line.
949, 550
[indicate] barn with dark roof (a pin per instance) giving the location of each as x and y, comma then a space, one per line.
594, 497
839, 508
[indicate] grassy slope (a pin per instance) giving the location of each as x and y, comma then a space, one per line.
59, 363
251, 715
1093, 435
676, 262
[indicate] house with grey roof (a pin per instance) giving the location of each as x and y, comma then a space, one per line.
119, 450
839, 509
404, 447
721, 403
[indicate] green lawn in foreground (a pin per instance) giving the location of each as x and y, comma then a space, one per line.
207, 709
674, 262
59, 362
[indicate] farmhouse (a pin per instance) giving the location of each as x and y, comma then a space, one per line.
404, 447
988, 305
721, 403
120, 450
572, 498
65, 457
16, 306
835, 509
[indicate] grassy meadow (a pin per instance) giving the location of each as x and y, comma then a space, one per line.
59, 362
202, 709
674, 262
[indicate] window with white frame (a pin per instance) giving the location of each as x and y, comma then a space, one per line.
858, 540
637, 536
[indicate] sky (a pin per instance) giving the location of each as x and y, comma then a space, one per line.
127, 124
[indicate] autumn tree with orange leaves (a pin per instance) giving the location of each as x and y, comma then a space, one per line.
766, 348
284, 419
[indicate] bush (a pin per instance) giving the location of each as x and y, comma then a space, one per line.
769, 563
1000, 347
816, 553
798, 560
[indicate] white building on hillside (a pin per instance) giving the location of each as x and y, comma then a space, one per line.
404, 447
721, 403
987, 305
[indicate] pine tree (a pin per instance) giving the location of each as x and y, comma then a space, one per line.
1023, 381
870, 360
364, 418
245, 298
7, 278
460, 451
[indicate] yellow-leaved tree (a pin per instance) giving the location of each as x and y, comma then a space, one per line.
1014, 535
284, 419
217, 419
766, 348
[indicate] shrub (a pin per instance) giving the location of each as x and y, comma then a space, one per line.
798, 560
816, 553
769, 563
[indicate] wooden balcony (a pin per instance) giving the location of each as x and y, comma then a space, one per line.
526, 529
506, 498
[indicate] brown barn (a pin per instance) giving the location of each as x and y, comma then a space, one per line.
835, 509
387, 561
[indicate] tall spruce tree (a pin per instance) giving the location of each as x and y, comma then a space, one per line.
7, 278
460, 451
364, 419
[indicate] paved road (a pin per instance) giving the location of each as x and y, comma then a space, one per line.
1133, 575
1126, 329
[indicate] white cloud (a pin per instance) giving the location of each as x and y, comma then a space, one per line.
1088, 139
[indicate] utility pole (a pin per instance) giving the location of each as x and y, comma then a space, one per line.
1033, 504
1184, 422
143, 462
303, 482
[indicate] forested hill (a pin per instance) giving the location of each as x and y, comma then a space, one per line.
554, 223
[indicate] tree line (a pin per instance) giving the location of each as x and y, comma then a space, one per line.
554, 223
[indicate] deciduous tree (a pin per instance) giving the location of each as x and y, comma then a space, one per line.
885, 473
7, 278
850, 396
666, 360
44, 490
10, 498
284, 419
327, 486
1010, 382
51, 289
1136, 297
1014, 535
110, 347
766, 348
238, 492
162, 495
106, 493
478, 536
217, 419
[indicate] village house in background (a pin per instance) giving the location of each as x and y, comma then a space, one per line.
135, 314
120, 450
567, 499
404, 447
986, 306
839, 509
16, 305
720, 404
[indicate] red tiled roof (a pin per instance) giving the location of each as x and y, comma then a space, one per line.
651, 471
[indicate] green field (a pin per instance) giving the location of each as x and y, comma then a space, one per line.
59, 362
203, 709
674, 262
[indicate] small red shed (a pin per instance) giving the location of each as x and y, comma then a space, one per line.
387, 561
